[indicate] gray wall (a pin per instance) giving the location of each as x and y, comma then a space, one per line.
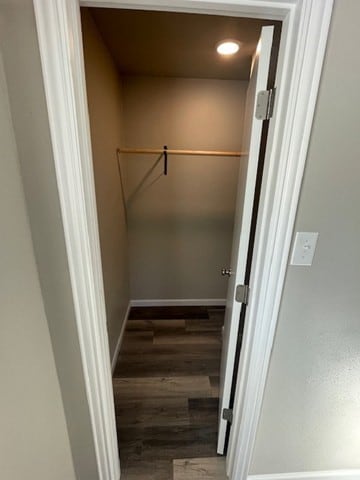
27, 102
180, 226
106, 123
310, 418
34, 441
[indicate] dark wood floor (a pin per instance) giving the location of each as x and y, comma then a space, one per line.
166, 384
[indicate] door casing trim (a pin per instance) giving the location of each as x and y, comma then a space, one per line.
302, 48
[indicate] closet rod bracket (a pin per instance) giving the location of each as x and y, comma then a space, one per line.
165, 153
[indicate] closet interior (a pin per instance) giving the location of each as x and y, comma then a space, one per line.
166, 117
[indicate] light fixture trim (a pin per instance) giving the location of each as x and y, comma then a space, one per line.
228, 47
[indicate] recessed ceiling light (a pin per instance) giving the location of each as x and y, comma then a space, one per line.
228, 47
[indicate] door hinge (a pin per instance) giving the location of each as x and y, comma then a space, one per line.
242, 294
265, 104
227, 414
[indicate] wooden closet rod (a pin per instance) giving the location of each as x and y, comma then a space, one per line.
159, 151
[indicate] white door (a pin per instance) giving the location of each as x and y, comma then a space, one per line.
242, 223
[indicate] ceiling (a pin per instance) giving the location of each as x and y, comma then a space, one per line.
177, 44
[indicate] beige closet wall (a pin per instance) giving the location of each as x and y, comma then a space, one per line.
180, 226
311, 413
34, 442
104, 89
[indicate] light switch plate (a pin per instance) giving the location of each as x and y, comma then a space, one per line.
304, 248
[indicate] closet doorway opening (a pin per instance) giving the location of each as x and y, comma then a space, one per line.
178, 136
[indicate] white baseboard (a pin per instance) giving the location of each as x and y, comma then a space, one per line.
176, 302
121, 335
316, 475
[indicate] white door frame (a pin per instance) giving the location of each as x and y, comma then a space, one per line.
305, 30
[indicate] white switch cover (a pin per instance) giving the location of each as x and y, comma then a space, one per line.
304, 248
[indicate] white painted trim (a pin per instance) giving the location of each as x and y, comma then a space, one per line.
305, 27
60, 42
121, 336
286, 152
269, 9
315, 475
175, 302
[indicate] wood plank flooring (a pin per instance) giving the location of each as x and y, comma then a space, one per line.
166, 388
199, 469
